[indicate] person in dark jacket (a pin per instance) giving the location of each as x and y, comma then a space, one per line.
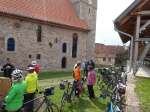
8, 69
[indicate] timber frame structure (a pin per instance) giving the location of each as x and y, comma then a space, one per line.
134, 25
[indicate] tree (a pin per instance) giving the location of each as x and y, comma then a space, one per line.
121, 57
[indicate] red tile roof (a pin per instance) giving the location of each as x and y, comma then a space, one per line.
102, 50
54, 11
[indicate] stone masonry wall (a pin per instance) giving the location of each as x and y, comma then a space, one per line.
25, 36
87, 11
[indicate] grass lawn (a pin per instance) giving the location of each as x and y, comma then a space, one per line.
83, 104
143, 91
54, 74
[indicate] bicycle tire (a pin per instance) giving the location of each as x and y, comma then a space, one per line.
54, 108
48, 109
51, 108
63, 100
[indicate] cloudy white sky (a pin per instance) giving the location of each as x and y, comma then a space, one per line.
108, 11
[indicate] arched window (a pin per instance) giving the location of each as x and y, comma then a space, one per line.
64, 48
63, 62
11, 44
74, 45
39, 33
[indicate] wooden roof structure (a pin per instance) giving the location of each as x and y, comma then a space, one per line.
134, 25
126, 22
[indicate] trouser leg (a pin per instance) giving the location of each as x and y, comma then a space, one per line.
29, 107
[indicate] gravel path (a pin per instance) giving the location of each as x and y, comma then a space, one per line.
132, 99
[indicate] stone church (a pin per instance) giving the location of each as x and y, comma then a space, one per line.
56, 33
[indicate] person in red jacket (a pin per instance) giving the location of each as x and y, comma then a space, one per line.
36, 66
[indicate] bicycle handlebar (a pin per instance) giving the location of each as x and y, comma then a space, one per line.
48, 91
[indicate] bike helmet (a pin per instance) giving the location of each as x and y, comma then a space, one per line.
33, 63
17, 74
30, 67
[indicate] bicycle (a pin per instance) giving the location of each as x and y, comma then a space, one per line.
50, 106
69, 94
117, 101
105, 78
115, 89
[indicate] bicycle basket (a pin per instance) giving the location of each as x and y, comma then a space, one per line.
49, 91
62, 86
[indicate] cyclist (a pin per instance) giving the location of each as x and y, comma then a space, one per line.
14, 99
91, 62
8, 68
36, 66
85, 68
91, 79
77, 79
32, 85
86, 64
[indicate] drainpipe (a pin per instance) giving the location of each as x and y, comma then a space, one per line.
131, 45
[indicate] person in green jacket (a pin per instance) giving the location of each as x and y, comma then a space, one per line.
32, 86
15, 97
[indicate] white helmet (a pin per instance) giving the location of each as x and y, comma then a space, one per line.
17, 74
30, 67
33, 63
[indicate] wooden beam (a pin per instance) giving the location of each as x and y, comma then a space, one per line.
144, 13
124, 20
136, 47
142, 4
145, 25
143, 55
143, 40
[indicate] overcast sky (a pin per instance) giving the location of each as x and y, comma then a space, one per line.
108, 11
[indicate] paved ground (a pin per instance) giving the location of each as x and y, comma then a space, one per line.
143, 72
132, 99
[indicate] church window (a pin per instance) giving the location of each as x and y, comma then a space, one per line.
11, 44
74, 45
63, 62
38, 56
39, 33
64, 48
30, 56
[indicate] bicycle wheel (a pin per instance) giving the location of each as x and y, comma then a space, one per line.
54, 108
51, 108
63, 101
48, 109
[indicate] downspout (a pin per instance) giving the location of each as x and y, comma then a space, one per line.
131, 45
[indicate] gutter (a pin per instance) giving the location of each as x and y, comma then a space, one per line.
131, 45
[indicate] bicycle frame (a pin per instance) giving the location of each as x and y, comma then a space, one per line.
68, 94
49, 104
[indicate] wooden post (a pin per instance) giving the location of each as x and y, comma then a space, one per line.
131, 54
136, 44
